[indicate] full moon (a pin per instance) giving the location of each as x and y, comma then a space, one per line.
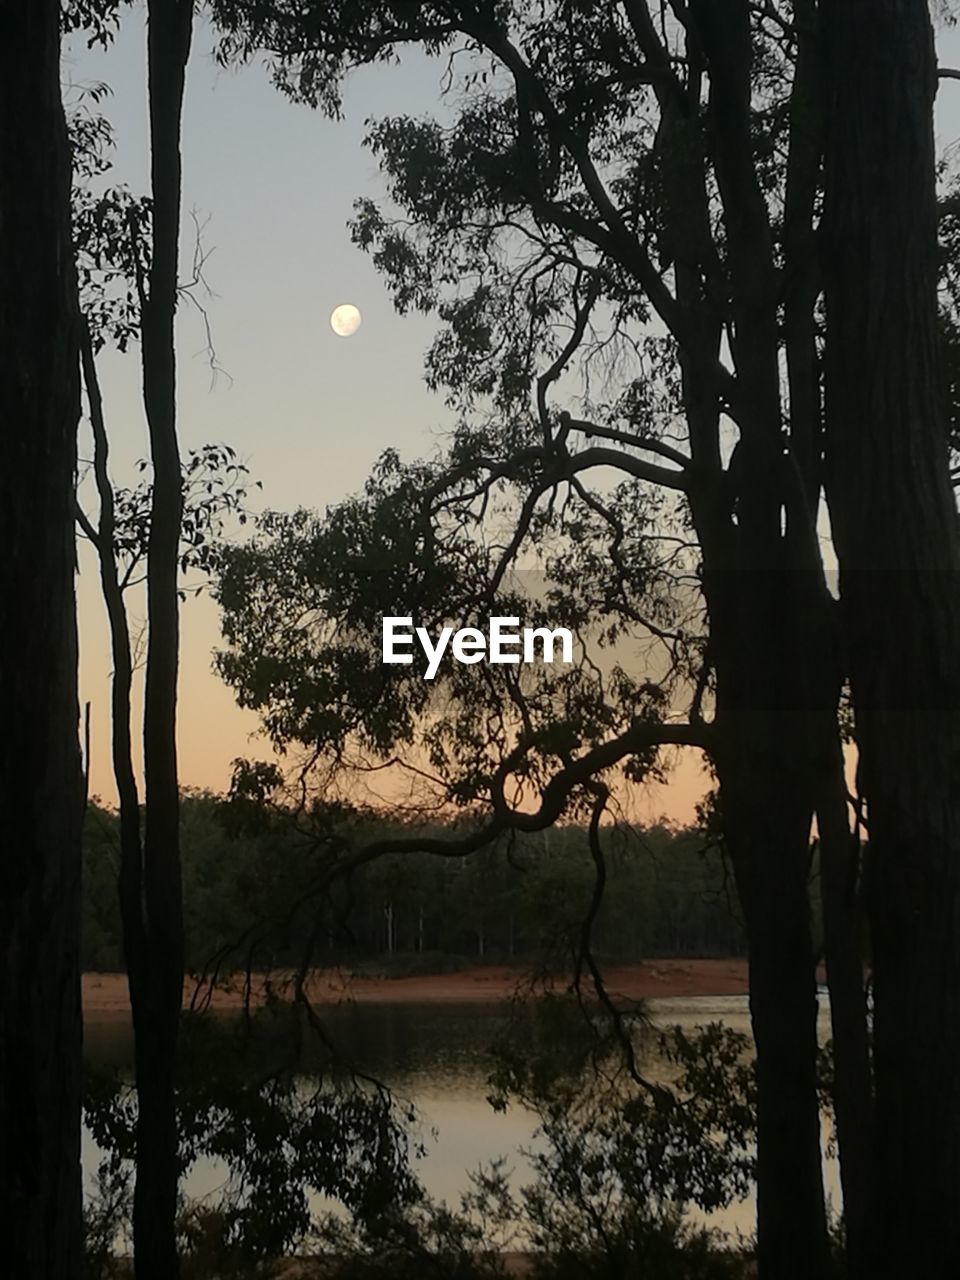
346, 320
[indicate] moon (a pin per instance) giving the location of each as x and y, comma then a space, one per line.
345, 320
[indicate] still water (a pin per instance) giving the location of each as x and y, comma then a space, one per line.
438, 1056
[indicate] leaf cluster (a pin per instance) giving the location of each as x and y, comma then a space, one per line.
215, 491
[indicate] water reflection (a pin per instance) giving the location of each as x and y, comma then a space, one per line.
439, 1057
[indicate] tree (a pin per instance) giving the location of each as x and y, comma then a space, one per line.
894, 523
150, 892
608, 165
40, 1028
149, 878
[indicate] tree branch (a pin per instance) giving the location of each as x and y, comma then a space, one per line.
635, 442
618, 241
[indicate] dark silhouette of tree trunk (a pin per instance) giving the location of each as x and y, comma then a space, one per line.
768, 606
131, 847
842, 933
40, 777
839, 854
151, 887
765, 757
772, 882
894, 523
102, 537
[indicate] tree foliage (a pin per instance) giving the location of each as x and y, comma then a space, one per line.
521, 901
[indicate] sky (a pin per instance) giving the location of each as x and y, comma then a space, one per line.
307, 411
273, 184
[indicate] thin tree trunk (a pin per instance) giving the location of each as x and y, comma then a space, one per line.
40, 777
157, 992
130, 885
131, 851
894, 523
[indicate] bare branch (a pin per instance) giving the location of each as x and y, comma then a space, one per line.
551, 374
635, 442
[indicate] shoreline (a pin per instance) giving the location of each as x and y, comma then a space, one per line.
105, 994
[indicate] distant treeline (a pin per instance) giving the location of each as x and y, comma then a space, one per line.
667, 894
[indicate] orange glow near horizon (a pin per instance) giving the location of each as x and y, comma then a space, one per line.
213, 731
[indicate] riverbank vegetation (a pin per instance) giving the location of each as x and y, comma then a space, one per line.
520, 902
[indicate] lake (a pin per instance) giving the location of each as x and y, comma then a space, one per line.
438, 1057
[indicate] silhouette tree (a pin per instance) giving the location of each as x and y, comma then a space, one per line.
40, 1029
149, 881
638, 179
894, 522
625, 160
150, 892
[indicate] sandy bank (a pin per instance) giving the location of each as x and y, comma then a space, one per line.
106, 993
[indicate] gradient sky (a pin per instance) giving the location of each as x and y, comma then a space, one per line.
307, 411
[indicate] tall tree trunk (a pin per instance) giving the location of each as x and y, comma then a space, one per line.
839, 857
156, 984
765, 761
842, 932
40, 779
764, 765
894, 523
762, 577
791, 1218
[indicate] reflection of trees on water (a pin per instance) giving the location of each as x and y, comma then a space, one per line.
322, 1162
283, 1138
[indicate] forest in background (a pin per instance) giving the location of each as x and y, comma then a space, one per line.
523, 900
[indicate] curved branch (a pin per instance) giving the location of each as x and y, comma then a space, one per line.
553, 801
647, 443
551, 374
636, 467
